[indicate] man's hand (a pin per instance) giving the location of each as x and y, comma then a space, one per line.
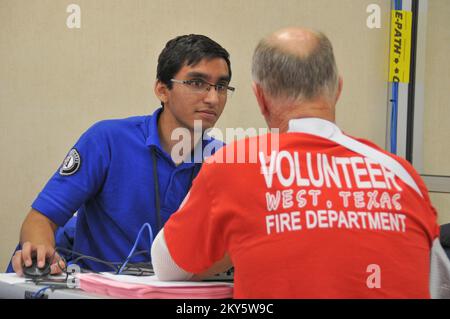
23, 258
38, 241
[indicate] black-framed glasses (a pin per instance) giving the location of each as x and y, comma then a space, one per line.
202, 86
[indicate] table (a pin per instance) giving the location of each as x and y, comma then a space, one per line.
26, 290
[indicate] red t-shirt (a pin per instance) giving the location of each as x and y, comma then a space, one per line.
309, 220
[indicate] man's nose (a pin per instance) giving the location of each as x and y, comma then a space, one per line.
212, 96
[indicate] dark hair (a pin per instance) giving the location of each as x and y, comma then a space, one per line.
190, 50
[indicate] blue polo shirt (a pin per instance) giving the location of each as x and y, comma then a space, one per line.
108, 178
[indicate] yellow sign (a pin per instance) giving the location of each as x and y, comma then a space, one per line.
400, 55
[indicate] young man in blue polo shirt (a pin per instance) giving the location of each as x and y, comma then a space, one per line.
123, 173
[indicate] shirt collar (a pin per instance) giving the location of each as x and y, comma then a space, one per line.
153, 140
314, 126
153, 135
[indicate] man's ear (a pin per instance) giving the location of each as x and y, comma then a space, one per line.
261, 98
161, 91
339, 90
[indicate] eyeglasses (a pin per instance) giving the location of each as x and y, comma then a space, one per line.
201, 86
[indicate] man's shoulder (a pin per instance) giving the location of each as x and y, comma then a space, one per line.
407, 165
378, 148
109, 124
109, 127
240, 151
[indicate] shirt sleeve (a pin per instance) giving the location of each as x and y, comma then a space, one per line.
79, 177
431, 214
439, 272
433, 224
193, 234
164, 266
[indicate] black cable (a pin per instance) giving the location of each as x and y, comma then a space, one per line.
156, 184
157, 200
412, 83
140, 252
114, 265
107, 263
130, 266
82, 256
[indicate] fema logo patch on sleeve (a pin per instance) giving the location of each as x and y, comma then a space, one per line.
71, 163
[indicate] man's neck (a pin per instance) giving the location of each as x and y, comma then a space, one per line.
317, 109
165, 128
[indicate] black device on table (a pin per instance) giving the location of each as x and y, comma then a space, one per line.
34, 271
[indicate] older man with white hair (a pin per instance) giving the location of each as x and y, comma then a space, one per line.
323, 215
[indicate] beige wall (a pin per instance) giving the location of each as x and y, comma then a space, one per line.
441, 202
55, 82
437, 89
436, 140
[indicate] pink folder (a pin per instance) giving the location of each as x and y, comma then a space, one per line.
151, 288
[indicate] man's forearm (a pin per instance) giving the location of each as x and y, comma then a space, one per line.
38, 229
166, 268
221, 266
